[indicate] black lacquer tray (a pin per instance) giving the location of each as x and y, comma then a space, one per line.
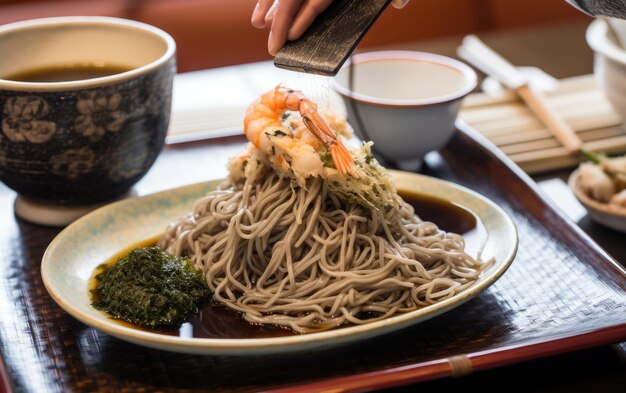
561, 293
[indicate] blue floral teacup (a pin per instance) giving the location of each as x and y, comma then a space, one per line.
83, 141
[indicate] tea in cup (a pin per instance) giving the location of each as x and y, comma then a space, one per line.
84, 110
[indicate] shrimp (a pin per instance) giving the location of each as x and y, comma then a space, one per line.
302, 156
306, 146
337, 123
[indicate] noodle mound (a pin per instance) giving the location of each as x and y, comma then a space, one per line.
305, 259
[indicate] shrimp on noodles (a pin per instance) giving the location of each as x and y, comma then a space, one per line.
308, 147
263, 127
309, 234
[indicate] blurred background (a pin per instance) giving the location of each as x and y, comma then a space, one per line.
214, 33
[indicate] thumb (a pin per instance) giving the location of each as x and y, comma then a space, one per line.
399, 3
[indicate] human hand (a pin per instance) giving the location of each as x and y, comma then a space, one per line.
289, 19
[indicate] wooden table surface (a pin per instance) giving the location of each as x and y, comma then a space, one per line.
559, 50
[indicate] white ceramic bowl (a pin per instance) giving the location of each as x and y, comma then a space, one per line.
609, 66
405, 102
610, 216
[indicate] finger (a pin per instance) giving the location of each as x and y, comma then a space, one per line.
260, 10
399, 3
283, 18
269, 17
307, 14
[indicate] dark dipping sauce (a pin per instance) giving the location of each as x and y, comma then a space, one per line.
67, 72
217, 321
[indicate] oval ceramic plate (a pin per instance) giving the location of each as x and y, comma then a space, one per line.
73, 255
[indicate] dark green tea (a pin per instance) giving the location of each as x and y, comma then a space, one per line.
68, 72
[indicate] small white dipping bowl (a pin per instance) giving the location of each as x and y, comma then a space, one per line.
609, 66
405, 102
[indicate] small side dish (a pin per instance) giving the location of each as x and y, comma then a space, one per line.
604, 178
600, 185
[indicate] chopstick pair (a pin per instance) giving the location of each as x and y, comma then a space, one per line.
474, 51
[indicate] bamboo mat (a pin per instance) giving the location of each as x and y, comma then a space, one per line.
505, 121
511, 126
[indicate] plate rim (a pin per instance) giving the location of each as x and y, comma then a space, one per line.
249, 346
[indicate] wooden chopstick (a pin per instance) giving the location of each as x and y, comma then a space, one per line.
578, 84
491, 63
517, 130
561, 130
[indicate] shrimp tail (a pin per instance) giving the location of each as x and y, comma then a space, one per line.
342, 158
315, 123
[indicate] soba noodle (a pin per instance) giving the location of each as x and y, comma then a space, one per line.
304, 259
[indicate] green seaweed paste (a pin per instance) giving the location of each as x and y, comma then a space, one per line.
150, 288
